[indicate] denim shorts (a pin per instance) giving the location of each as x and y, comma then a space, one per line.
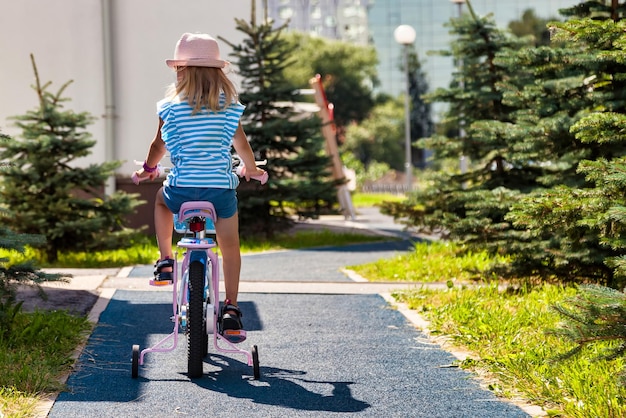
224, 200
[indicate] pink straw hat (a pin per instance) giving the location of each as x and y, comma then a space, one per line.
196, 50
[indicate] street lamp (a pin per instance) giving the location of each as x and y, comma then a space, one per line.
405, 35
463, 158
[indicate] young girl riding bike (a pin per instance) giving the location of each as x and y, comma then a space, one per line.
199, 123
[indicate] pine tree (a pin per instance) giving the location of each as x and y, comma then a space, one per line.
299, 172
575, 228
540, 122
44, 193
596, 315
469, 205
12, 275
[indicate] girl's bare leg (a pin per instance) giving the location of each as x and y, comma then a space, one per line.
163, 225
227, 231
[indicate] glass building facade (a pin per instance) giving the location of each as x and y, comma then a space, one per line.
428, 18
374, 21
344, 20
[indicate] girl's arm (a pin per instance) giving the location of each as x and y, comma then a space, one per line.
244, 150
156, 152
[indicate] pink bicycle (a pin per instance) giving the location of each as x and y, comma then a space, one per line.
195, 300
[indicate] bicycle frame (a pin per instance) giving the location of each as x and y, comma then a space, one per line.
198, 248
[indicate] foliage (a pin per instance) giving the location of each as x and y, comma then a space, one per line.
348, 74
421, 122
44, 193
470, 205
596, 315
14, 273
575, 229
299, 171
545, 147
374, 171
379, 138
531, 25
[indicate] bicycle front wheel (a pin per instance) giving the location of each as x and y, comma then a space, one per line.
196, 328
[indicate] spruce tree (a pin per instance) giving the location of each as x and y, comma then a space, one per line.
469, 205
299, 172
595, 316
574, 228
540, 122
12, 274
44, 192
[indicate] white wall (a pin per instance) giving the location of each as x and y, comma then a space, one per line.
66, 38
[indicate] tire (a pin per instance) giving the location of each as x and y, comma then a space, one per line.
135, 366
256, 369
196, 328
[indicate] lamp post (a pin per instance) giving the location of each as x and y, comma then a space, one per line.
463, 158
405, 35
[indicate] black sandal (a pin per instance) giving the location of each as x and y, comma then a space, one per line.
230, 326
163, 277
229, 320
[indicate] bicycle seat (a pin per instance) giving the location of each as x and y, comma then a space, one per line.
193, 209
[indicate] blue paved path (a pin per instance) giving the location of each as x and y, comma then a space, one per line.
321, 356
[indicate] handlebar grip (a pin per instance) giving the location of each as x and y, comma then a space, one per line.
241, 172
136, 179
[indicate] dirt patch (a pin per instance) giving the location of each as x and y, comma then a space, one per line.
76, 301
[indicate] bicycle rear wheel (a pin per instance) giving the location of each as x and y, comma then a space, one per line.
196, 328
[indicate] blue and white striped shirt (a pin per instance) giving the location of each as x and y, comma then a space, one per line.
200, 144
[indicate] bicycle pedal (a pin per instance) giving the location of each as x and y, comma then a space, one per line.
154, 282
234, 336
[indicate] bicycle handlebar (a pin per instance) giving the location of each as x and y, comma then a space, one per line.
240, 170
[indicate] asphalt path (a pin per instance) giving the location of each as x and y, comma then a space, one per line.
320, 355
309, 265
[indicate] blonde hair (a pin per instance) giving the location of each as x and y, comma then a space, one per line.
202, 87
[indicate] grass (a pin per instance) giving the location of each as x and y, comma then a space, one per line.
508, 333
505, 330
308, 239
35, 351
360, 200
38, 348
430, 262
145, 251
16, 404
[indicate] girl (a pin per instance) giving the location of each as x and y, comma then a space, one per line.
199, 122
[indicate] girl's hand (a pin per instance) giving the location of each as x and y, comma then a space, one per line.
141, 175
255, 172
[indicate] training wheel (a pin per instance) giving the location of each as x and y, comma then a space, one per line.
135, 367
255, 362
